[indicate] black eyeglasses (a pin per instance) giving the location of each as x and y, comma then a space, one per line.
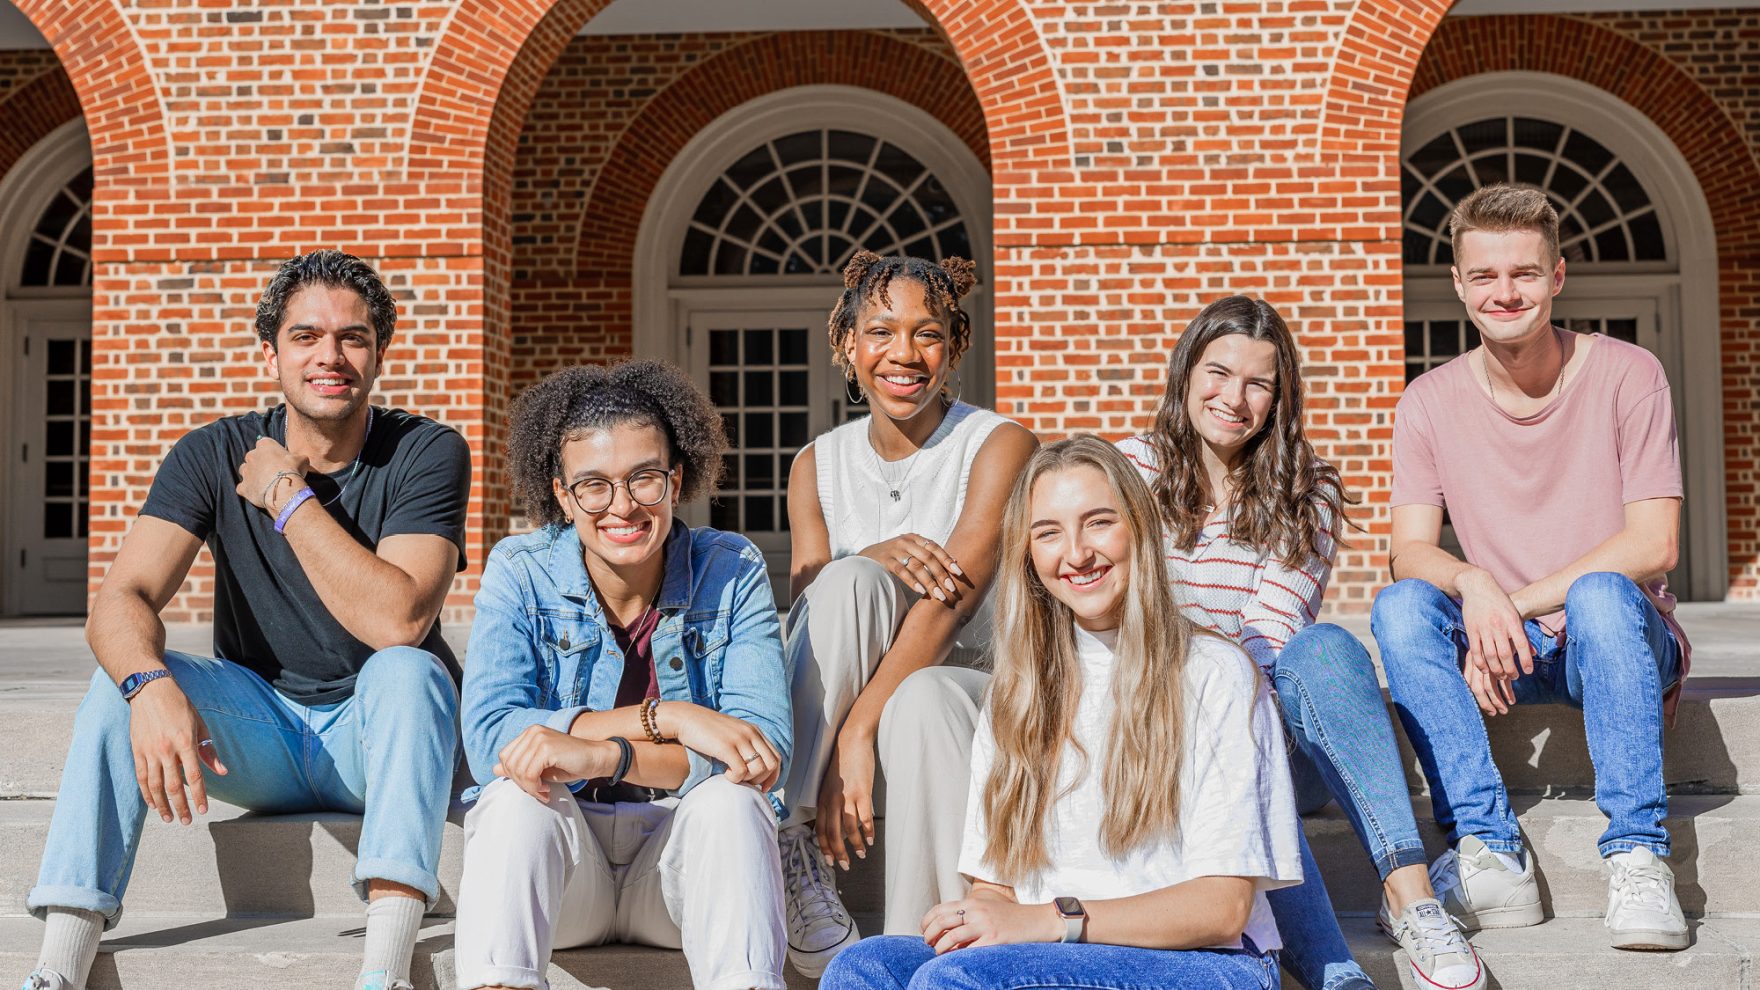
645, 487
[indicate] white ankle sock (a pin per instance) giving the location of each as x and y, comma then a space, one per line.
70, 943
1511, 861
393, 923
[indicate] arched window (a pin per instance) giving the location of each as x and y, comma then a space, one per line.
1606, 217
59, 253
802, 204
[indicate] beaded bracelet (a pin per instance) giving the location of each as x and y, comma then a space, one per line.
651, 721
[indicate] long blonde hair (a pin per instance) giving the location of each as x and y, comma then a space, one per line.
1038, 682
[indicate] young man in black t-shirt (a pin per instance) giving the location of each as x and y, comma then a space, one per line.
336, 529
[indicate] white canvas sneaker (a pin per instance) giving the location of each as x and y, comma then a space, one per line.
45, 979
1479, 891
1438, 951
818, 926
1642, 909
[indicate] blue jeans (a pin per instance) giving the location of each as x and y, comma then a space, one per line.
1334, 711
894, 962
1614, 662
396, 737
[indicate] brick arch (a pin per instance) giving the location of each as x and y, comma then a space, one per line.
495, 53
612, 215
33, 111
1378, 51
1723, 165
122, 106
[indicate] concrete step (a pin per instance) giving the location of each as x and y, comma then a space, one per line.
216, 867
1714, 748
1713, 856
196, 950
1574, 952
282, 954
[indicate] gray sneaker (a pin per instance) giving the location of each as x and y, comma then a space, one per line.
1480, 892
1642, 909
1437, 950
45, 979
818, 926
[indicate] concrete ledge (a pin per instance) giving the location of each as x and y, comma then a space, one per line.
272, 954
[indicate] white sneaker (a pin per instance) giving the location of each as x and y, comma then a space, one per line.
1439, 954
45, 979
1479, 891
1642, 910
818, 926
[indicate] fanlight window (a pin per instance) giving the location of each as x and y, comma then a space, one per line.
802, 204
1605, 215
59, 254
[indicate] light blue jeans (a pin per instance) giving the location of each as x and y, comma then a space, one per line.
895, 962
1344, 748
1615, 661
396, 738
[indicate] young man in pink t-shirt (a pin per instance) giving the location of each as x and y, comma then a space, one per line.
1555, 456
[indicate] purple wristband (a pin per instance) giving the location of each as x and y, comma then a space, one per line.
287, 510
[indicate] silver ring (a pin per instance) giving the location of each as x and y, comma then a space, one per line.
962, 912
751, 757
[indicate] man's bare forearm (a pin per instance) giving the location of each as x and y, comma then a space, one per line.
1431, 564
125, 633
374, 599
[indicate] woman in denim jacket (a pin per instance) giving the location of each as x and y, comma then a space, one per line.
625, 705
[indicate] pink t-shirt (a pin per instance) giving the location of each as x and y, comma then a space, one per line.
1529, 495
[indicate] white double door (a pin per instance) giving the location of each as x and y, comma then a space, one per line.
48, 434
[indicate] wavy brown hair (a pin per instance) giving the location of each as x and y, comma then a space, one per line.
1038, 682
1285, 497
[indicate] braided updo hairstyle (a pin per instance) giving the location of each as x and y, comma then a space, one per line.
579, 400
868, 276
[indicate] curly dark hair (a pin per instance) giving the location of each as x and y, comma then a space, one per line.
333, 269
592, 397
867, 276
1286, 497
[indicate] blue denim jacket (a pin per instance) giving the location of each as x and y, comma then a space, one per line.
541, 652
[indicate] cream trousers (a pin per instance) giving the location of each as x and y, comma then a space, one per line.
837, 632
699, 873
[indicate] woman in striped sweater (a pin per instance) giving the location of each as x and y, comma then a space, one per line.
1253, 519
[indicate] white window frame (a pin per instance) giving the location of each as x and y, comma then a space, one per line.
661, 307
25, 191
1687, 296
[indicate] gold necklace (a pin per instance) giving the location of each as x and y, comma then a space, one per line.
1557, 386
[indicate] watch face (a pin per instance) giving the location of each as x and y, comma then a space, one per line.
1069, 907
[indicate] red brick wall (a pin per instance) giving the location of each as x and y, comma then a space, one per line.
36, 97
1144, 160
1692, 74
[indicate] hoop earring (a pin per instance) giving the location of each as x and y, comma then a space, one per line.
959, 386
855, 396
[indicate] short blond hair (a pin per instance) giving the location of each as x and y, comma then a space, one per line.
1504, 207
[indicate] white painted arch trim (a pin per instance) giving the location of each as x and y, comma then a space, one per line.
657, 303
1692, 247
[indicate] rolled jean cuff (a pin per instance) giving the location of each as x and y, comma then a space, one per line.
1509, 847
41, 899
1398, 857
1612, 846
368, 870
754, 979
499, 976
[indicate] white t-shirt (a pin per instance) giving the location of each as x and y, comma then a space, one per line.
1237, 812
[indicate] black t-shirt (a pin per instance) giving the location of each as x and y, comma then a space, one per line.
414, 476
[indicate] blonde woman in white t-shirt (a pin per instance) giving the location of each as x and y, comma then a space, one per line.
1100, 856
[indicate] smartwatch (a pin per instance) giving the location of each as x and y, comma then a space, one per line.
132, 684
1075, 917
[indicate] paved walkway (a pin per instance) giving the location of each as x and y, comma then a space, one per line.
48, 657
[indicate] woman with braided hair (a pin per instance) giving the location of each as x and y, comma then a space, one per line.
625, 709
894, 519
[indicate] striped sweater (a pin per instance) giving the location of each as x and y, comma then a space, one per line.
1242, 593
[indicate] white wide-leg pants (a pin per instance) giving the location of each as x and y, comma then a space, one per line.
699, 873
